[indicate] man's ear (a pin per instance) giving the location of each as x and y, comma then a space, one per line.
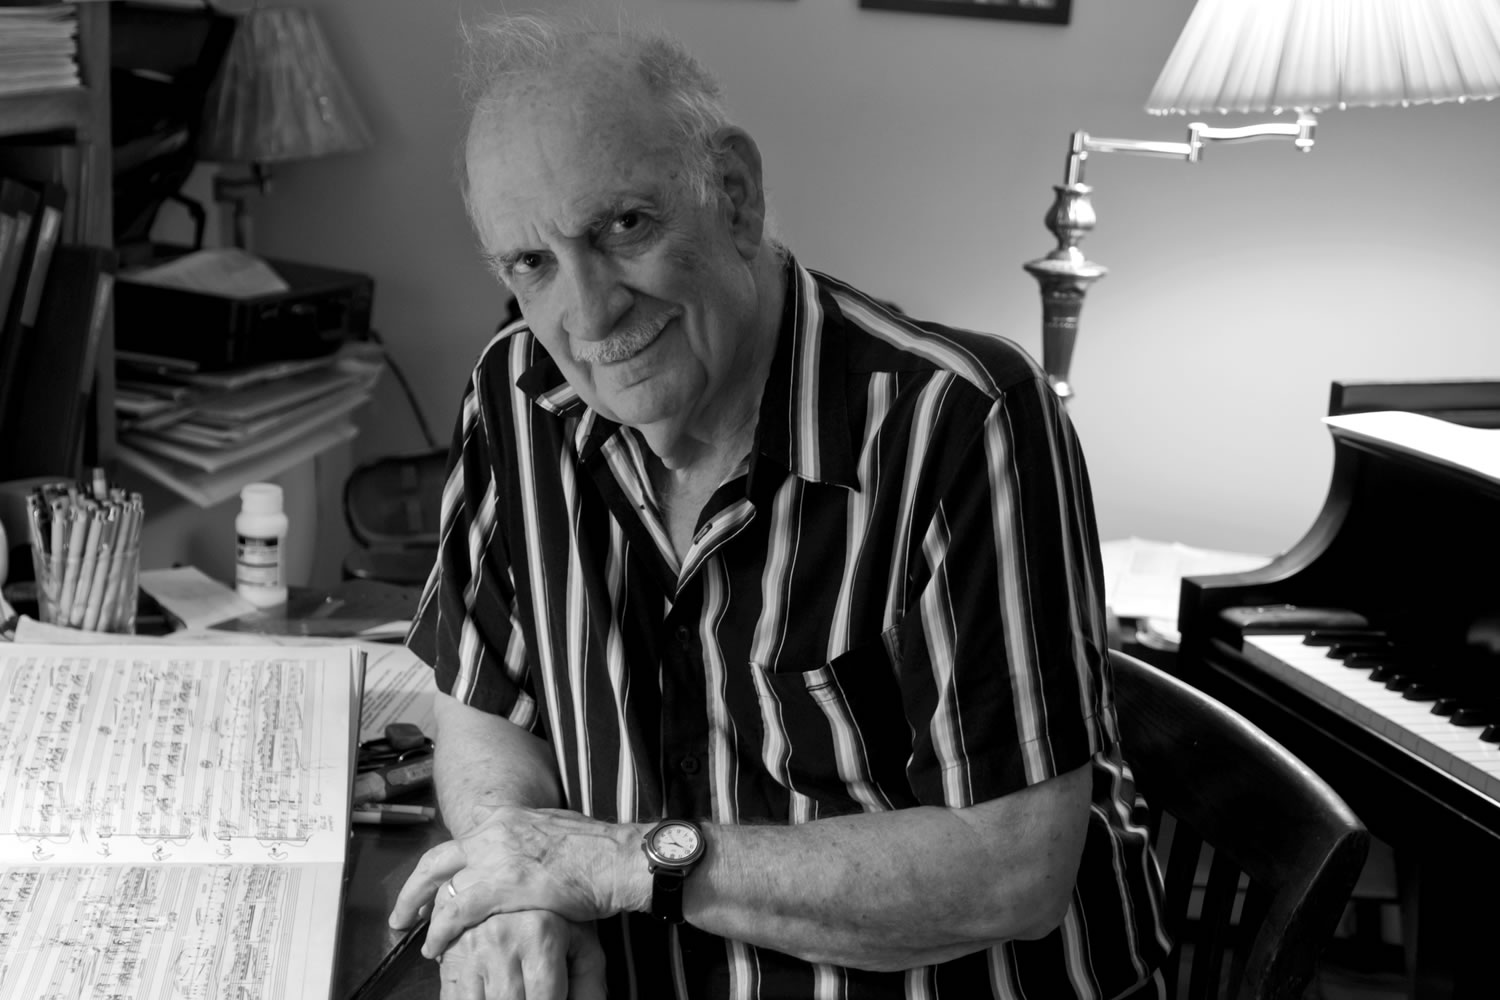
740, 182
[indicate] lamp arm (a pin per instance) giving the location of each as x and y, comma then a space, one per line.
1301, 132
1065, 273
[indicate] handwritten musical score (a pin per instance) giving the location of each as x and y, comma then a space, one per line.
173, 820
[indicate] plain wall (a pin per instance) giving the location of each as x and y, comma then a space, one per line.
915, 155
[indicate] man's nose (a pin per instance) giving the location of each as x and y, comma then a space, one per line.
597, 298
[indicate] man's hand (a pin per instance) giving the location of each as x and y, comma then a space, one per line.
524, 956
519, 859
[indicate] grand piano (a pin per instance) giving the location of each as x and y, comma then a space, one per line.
1395, 697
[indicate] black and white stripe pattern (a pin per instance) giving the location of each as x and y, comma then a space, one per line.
893, 602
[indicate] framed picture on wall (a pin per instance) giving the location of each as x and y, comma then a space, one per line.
1046, 11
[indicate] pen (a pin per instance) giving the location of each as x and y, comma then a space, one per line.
392, 813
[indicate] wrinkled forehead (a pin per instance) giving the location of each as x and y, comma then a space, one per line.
563, 144
582, 103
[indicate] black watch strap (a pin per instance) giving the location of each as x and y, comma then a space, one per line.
666, 894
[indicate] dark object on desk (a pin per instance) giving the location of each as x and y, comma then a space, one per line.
396, 746
1404, 540
1226, 785
353, 608
321, 310
392, 506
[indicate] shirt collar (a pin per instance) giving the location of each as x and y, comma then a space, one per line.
804, 423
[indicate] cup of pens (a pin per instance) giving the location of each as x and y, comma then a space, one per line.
86, 550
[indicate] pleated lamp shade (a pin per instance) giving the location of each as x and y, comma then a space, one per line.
279, 95
1312, 55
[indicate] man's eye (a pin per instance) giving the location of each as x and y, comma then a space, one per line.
625, 222
526, 263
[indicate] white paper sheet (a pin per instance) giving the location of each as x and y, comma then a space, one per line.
174, 819
1143, 578
193, 597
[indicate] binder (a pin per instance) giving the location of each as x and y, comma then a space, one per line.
56, 366
18, 211
38, 257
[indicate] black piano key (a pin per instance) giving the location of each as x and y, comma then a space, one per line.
1421, 691
1398, 682
1468, 715
1367, 658
1491, 734
1328, 636
1345, 647
1383, 673
1445, 706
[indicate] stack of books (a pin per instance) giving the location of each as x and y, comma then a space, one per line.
38, 48
203, 433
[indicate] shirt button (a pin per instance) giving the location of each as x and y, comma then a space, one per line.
689, 764
683, 634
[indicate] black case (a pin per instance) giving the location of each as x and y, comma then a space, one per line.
322, 309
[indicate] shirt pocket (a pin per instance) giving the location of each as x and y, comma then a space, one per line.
837, 732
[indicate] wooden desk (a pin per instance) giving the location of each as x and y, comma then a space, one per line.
380, 859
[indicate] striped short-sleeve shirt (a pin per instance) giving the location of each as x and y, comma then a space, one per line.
893, 601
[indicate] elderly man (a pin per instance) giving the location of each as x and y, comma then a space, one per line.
730, 545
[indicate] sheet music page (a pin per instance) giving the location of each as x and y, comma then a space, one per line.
1473, 449
141, 754
253, 932
398, 686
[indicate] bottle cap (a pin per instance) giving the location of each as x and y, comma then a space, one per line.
261, 498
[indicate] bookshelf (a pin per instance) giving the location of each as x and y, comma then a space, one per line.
69, 131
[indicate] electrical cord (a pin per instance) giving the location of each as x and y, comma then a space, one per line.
411, 397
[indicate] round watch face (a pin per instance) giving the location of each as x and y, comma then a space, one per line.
676, 842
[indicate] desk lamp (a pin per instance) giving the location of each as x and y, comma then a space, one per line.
279, 97
1270, 56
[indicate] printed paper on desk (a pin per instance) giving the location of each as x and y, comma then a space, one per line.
192, 597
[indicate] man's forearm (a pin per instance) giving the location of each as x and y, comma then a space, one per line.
892, 890
879, 891
482, 761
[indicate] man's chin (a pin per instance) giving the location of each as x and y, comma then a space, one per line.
659, 420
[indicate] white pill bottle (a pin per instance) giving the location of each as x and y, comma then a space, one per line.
261, 530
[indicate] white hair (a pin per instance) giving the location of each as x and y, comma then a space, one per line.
506, 50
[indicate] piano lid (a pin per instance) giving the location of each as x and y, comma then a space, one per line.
1473, 451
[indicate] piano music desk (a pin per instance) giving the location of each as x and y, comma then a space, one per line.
1409, 537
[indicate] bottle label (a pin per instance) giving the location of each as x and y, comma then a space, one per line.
257, 562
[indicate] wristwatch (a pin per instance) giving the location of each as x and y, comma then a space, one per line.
673, 849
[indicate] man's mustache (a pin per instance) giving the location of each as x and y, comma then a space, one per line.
625, 344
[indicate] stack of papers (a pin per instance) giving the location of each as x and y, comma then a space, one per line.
205, 434
1143, 578
38, 48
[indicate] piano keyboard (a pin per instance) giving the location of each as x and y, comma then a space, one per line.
1456, 750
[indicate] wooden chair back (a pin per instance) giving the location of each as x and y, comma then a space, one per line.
1285, 849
